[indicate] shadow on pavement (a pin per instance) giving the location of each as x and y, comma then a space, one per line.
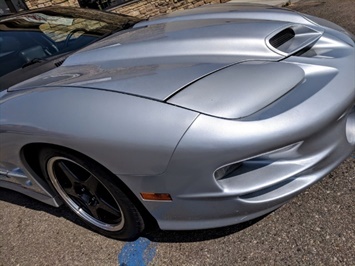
157, 235
19, 199
153, 233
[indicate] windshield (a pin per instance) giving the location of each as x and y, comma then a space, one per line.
38, 35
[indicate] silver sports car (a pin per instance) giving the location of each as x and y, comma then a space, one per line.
198, 119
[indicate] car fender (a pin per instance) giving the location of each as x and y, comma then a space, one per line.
126, 134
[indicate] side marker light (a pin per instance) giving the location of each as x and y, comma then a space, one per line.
156, 196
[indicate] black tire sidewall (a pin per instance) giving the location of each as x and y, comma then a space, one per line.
133, 224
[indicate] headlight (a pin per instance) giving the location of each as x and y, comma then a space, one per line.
350, 127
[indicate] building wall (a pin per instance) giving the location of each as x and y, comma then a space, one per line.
140, 8
151, 8
31, 4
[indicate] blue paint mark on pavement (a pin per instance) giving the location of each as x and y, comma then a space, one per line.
138, 253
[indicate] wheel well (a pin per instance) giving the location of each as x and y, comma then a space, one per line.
30, 157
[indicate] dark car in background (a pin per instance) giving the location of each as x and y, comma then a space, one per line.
36, 41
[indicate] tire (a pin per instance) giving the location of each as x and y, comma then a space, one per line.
92, 193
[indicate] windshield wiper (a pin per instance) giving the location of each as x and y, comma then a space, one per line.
33, 61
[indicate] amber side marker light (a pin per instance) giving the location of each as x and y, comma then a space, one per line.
156, 196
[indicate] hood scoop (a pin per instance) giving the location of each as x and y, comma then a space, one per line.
292, 39
282, 37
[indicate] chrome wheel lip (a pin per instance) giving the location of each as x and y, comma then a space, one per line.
73, 205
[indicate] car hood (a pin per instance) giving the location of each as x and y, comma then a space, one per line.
158, 58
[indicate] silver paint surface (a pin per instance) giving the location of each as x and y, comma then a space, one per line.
166, 104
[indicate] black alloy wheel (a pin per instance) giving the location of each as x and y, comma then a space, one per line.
92, 193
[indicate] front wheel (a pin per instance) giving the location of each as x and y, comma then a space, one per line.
92, 193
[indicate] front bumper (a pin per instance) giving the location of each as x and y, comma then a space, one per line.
284, 149
260, 185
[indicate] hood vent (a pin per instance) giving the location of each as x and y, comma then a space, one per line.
282, 37
59, 63
290, 40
